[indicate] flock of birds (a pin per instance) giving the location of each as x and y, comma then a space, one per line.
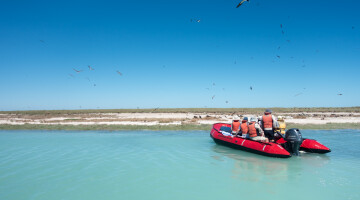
278, 56
195, 20
90, 69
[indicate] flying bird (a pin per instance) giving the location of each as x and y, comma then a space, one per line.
90, 68
282, 31
298, 94
213, 97
119, 73
241, 3
340, 94
196, 20
279, 48
353, 27
155, 109
77, 71
251, 88
90, 81
42, 41
288, 41
226, 102
278, 56
280, 25
72, 75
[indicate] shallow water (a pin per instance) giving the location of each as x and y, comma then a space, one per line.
170, 165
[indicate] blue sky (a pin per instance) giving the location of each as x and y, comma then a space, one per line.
168, 61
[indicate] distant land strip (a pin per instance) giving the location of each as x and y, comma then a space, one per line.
207, 127
190, 110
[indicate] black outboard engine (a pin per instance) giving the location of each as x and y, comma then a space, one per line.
293, 140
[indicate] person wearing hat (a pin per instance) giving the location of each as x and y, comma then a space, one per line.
255, 131
244, 127
267, 123
235, 126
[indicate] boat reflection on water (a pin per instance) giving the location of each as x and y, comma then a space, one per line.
252, 167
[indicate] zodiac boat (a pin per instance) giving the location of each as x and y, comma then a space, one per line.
284, 147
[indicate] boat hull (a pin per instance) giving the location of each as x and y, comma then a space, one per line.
261, 148
272, 149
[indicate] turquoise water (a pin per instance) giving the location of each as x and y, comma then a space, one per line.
171, 165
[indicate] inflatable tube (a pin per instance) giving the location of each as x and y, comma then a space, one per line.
262, 148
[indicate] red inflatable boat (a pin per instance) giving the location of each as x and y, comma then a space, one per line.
281, 148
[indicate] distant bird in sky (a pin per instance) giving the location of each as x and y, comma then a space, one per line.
280, 25
42, 41
213, 97
278, 56
353, 27
213, 84
282, 31
340, 94
298, 94
119, 73
90, 81
155, 109
288, 41
72, 75
251, 88
235, 62
303, 66
279, 48
77, 71
90, 68
196, 20
241, 3
226, 101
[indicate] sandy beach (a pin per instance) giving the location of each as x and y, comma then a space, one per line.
165, 119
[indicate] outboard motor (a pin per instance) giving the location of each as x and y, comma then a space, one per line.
293, 140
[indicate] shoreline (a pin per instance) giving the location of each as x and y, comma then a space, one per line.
173, 119
189, 127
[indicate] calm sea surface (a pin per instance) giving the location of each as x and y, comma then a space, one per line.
170, 165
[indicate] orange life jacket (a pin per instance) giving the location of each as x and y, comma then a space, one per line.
267, 121
235, 126
244, 127
252, 130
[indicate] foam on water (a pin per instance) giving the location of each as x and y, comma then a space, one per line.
170, 165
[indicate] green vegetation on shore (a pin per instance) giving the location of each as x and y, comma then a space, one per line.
186, 110
162, 127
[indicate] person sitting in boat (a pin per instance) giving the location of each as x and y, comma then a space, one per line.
235, 126
281, 125
255, 131
267, 124
244, 128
